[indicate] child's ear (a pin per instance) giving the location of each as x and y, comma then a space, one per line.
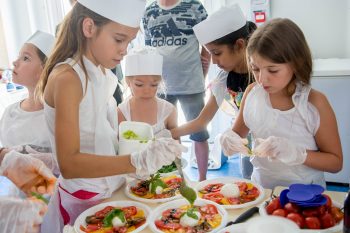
89, 27
239, 44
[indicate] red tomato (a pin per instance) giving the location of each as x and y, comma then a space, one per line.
321, 210
129, 211
327, 221
328, 205
312, 223
168, 225
297, 218
233, 200
175, 213
242, 186
273, 205
310, 212
174, 183
213, 187
291, 208
216, 197
337, 214
208, 209
120, 229
102, 213
280, 212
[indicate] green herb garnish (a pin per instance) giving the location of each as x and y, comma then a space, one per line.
40, 197
107, 221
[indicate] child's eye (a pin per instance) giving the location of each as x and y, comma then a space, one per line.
118, 40
154, 85
273, 71
138, 85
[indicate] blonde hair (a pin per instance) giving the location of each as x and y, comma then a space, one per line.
282, 41
71, 42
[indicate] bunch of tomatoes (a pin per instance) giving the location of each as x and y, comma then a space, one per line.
321, 217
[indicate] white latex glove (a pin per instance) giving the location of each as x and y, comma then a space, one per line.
281, 149
19, 215
27, 173
45, 157
232, 143
164, 133
162, 151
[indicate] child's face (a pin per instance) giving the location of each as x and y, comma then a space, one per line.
225, 56
273, 77
28, 67
108, 46
144, 86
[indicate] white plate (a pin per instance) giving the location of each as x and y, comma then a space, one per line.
156, 213
226, 180
153, 201
81, 219
336, 228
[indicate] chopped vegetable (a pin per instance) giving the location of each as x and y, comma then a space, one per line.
107, 221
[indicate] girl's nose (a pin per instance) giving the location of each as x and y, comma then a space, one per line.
214, 60
15, 62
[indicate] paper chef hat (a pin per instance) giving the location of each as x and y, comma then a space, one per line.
127, 12
221, 23
43, 41
143, 61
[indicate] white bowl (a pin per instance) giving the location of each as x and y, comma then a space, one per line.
226, 180
81, 218
336, 228
143, 130
156, 213
129, 194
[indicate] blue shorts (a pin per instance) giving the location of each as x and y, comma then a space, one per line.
191, 105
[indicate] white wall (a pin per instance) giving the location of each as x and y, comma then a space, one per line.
325, 23
348, 30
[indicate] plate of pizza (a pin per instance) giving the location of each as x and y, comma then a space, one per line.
179, 216
231, 193
156, 189
114, 216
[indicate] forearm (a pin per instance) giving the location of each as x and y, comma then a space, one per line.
323, 161
190, 127
94, 166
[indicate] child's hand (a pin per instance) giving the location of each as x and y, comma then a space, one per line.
28, 173
281, 149
159, 152
232, 143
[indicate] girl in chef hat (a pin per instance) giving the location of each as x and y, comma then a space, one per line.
22, 122
77, 91
226, 42
294, 126
143, 74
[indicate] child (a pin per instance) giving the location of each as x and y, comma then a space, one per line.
226, 42
76, 87
143, 73
293, 125
22, 122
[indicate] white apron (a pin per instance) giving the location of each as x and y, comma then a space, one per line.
98, 135
164, 109
298, 125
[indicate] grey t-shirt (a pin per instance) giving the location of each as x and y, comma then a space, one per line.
170, 31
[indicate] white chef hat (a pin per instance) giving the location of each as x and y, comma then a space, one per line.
143, 61
43, 41
221, 23
127, 12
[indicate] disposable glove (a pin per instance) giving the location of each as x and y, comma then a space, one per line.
45, 156
159, 152
68, 229
281, 149
27, 173
19, 215
164, 133
232, 143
